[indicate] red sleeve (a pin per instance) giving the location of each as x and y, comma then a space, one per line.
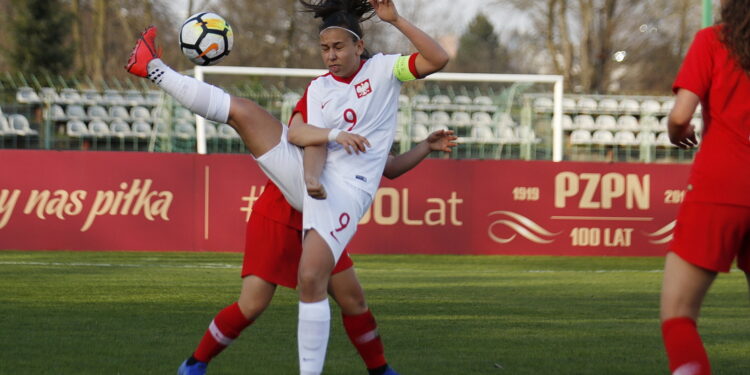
301, 107
696, 71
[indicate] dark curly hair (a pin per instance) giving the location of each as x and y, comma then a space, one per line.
735, 34
342, 13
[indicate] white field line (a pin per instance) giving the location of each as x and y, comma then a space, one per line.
234, 266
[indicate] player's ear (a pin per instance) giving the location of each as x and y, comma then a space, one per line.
360, 47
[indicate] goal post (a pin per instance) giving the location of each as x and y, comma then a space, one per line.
200, 72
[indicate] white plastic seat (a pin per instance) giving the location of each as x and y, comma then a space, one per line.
462, 100
99, 128
526, 134
75, 112
440, 100
20, 125
403, 100
663, 140
139, 113
56, 113
182, 113
624, 138
650, 107
629, 106
420, 117
184, 130
4, 126
227, 132
484, 101
134, 98
419, 132
141, 129
580, 137
608, 105
70, 96
627, 122
585, 122
567, 122
97, 112
698, 123
153, 98
543, 104
113, 97
645, 137
49, 95
650, 123
420, 99
120, 128
76, 128
209, 129
587, 105
91, 97
119, 112
460, 118
505, 119
667, 106
602, 137
569, 105
440, 118
27, 95
481, 118
483, 134
606, 122
507, 135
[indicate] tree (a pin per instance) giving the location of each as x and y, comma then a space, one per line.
479, 49
40, 31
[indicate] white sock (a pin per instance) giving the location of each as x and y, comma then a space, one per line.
312, 336
199, 97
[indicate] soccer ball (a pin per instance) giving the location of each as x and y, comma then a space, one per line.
206, 38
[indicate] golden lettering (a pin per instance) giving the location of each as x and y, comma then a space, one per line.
378, 215
638, 192
161, 206
454, 201
75, 206
587, 200
613, 186
37, 199
8, 202
102, 203
566, 185
440, 211
405, 210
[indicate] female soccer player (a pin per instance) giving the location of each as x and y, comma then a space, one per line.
272, 251
713, 224
354, 106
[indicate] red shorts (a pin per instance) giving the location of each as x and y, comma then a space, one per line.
273, 251
711, 235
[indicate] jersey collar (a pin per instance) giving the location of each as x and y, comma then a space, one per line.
349, 79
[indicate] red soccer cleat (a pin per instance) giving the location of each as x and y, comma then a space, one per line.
144, 51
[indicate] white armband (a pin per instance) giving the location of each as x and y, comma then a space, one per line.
333, 134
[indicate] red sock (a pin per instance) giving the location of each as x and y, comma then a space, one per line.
363, 333
684, 347
226, 326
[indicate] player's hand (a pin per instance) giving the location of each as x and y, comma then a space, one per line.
686, 140
385, 9
352, 142
314, 188
442, 140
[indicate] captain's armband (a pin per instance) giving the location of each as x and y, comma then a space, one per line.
405, 69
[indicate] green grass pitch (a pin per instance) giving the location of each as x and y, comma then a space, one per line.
143, 313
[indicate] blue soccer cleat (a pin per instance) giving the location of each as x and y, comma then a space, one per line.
390, 371
196, 368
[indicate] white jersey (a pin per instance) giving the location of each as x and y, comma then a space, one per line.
366, 104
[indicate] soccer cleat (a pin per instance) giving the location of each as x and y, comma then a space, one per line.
196, 368
390, 371
144, 51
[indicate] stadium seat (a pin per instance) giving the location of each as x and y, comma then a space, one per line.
99, 129
27, 95
227, 132
161, 129
650, 123
403, 100
460, 118
602, 137
441, 118
20, 125
419, 132
113, 98
481, 118
580, 137
420, 117
141, 129
567, 122
120, 129
4, 126
504, 119
118, 112
440, 100
624, 138
139, 113
650, 107
569, 105
97, 112
91, 97
667, 106
154, 98
75, 112
526, 134
134, 98
585, 122
606, 122
698, 123
663, 140
506, 135
587, 105
627, 122
608, 105
438, 127
420, 100
629, 106
543, 104
484, 134
462, 100
56, 113
70, 96
646, 137
182, 113
49, 95
184, 130
484, 103
76, 128
209, 129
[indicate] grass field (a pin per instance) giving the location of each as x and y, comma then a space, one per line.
143, 313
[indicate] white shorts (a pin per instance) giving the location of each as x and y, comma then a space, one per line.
336, 217
283, 165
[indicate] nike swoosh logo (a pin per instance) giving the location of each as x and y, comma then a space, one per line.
210, 48
325, 104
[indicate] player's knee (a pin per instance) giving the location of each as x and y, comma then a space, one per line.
251, 308
353, 304
311, 281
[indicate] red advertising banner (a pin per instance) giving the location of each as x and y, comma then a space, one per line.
67, 200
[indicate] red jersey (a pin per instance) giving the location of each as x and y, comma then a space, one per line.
721, 170
274, 206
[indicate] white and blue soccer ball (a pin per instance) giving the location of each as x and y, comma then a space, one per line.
206, 38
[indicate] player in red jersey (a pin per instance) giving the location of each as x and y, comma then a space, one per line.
273, 248
713, 224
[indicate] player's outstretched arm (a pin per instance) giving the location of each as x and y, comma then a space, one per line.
432, 57
303, 135
441, 140
681, 132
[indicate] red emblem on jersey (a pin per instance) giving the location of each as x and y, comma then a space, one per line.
363, 88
